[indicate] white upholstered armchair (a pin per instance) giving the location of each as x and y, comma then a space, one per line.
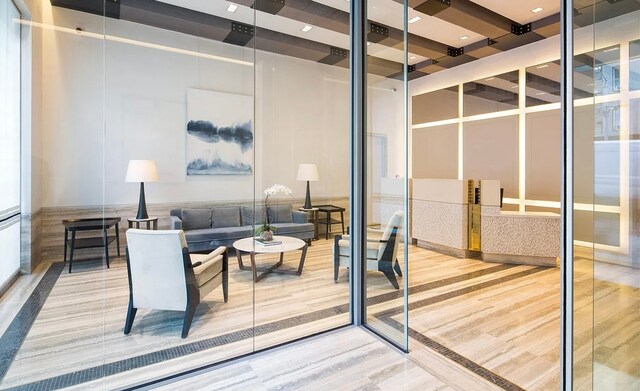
382, 251
164, 276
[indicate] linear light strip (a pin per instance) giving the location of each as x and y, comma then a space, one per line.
460, 132
598, 246
522, 134
133, 42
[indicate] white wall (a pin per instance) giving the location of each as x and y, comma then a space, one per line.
104, 104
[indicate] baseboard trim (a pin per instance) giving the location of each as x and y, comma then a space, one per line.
521, 260
452, 251
7, 284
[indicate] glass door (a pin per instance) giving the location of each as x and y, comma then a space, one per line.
385, 254
606, 268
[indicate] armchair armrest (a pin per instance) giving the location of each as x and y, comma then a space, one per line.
300, 217
175, 222
206, 258
370, 240
219, 251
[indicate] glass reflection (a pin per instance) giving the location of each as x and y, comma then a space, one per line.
634, 65
491, 94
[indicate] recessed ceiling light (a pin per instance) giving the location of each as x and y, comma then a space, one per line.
514, 86
489, 79
232, 7
414, 19
412, 58
611, 49
542, 66
464, 37
541, 93
536, 10
368, 43
306, 28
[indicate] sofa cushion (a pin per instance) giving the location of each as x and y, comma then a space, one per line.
247, 215
196, 219
289, 228
211, 234
225, 217
280, 214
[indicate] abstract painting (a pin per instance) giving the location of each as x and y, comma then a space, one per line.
219, 133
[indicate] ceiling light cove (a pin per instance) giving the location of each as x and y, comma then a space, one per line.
232, 7
536, 10
414, 19
306, 29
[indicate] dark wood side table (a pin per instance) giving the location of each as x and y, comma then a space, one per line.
92, 224
313, 217
151, 221
328, 221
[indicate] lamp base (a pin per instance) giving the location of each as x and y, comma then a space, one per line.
142, 205
307, 201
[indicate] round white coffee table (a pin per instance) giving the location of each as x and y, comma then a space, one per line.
249, 245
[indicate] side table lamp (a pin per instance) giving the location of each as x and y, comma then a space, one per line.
307, 172
142, 171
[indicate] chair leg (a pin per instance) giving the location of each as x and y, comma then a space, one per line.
225, 276
392, 278
188, 318
336, 257
396, 267
131, 314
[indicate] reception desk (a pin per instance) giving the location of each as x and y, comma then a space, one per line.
440, 221
440, 216
528, 238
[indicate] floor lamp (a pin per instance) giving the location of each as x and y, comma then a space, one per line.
309, 173
142, 171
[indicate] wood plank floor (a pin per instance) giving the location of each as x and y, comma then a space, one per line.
504, 319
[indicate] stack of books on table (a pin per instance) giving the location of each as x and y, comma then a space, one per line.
268, 242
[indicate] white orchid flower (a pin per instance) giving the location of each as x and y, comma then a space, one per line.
275, 189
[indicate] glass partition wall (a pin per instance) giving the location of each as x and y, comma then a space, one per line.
166, 138
606, 271
385, 166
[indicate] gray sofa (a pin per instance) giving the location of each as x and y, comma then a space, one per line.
207, 228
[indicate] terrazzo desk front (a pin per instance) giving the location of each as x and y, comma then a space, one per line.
528, 238
440, 216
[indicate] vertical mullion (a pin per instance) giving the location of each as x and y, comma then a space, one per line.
566, 339
357, 200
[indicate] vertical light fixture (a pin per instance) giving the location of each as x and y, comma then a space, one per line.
142, 171
308, 172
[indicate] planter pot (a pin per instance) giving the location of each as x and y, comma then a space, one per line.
266, 235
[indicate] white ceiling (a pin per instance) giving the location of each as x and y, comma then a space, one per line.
520, 10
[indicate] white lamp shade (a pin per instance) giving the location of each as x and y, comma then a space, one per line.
142, 171
307, 172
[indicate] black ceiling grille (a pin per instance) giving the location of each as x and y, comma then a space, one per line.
455, 52
377, 32
335, 56
519, 29
432, 7
268, 6
240, 34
